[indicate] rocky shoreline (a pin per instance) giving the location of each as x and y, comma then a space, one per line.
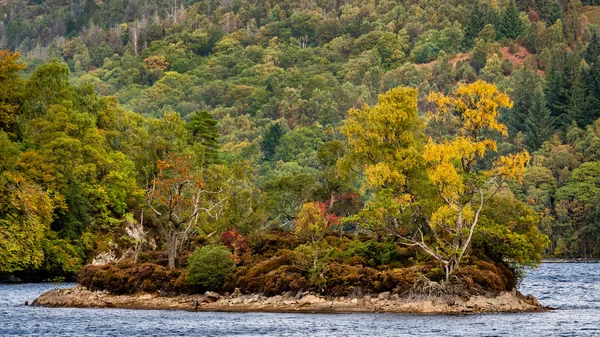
79, 297
571, 260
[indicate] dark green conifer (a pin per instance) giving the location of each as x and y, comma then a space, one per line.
270, 141
526, 86
203, 129
592, 52
549, 10
474, 26
592, 89
511, 26
558, 86
537, 124
479, 57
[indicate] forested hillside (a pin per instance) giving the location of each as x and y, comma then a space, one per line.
134, 127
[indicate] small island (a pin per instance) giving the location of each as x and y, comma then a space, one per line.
435, 229
377, 277
429, 221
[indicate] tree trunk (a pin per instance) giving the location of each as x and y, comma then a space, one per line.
137, 252
451, 267
172, 249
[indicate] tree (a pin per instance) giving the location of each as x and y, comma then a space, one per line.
26, 213
592, 51
537, 123
203, 131
509, 231
48, 84
493, 69
313, 221
385, 150
270, 141
564, 90
177, 196
479, 58
447, 201
591, 81
384, 141
11, 91
526, 86
478, 18
573, 28
511, 26
452, 167
135, 231
550, 10
581, 195
156, 66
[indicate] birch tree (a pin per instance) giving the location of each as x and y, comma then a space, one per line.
135, 230
453, 168
430, 196
177, 197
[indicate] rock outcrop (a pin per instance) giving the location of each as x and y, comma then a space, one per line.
80, 297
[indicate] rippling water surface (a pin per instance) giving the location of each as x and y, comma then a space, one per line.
573, 288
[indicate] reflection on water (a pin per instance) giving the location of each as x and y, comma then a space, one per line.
574, 288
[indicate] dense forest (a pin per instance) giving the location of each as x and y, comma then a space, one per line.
305, 138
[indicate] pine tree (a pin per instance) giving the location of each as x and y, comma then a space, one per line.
592, 52
479, 57
549, 10
270, 141
576, 107
203, 129
537, 124
592, 91
558, 86
479, 17
510, 25
526, 86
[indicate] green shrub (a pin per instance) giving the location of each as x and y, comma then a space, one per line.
210, 266
374, 253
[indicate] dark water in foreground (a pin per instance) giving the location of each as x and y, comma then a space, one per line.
574, 288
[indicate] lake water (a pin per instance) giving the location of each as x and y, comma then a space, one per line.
573, 288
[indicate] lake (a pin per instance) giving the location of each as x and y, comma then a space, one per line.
572, 288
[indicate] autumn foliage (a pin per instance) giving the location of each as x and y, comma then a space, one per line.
11, 90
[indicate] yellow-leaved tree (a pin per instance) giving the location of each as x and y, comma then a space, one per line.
429, 195
453, 168
385, 146
385, 141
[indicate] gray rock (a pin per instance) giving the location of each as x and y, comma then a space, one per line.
252, 299
384, 295
531, 300
211, 296
311, 299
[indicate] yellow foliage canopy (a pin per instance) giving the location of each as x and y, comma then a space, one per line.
476, 106
385, 139
10, 90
